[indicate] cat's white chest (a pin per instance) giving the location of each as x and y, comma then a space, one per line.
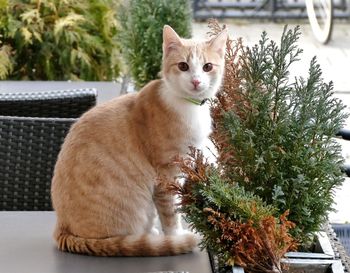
194, 121
197, 125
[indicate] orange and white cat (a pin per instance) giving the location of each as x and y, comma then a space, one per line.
104, 189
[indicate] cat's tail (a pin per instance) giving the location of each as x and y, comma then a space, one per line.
130, 245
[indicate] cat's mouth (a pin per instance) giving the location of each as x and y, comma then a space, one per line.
200, 94
197, 91
197, 95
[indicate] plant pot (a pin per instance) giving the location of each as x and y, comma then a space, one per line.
324, 258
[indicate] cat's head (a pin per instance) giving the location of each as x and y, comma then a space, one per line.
193, 68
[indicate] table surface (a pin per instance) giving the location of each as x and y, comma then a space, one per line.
26, 245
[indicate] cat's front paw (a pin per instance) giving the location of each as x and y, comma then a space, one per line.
154, 231
178, 231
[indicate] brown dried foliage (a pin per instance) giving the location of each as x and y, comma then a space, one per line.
231, 96
258, 247
196, 169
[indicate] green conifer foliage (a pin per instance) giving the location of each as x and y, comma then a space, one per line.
280, 141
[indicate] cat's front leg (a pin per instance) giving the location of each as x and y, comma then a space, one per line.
165, 204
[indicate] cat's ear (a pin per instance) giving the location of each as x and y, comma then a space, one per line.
170, 40
218, 43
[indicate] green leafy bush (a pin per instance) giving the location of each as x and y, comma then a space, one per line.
141, 39
58, 40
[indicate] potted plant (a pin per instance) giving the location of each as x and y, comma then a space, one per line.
277, 164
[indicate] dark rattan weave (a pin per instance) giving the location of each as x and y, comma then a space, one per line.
51, 104
29, 146
28, 151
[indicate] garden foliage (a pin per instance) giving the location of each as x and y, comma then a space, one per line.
236, 225
141, 39
58, 40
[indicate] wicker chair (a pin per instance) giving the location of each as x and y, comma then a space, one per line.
32, 129
345, 134
343, 230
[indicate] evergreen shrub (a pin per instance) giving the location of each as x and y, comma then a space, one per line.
142, 22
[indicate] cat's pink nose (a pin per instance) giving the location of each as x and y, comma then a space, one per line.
195, 83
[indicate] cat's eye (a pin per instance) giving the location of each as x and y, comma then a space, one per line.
207, 67
183, 66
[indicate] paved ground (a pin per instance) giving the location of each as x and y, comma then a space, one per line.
334, 59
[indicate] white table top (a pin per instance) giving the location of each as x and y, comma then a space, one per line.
27, 246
